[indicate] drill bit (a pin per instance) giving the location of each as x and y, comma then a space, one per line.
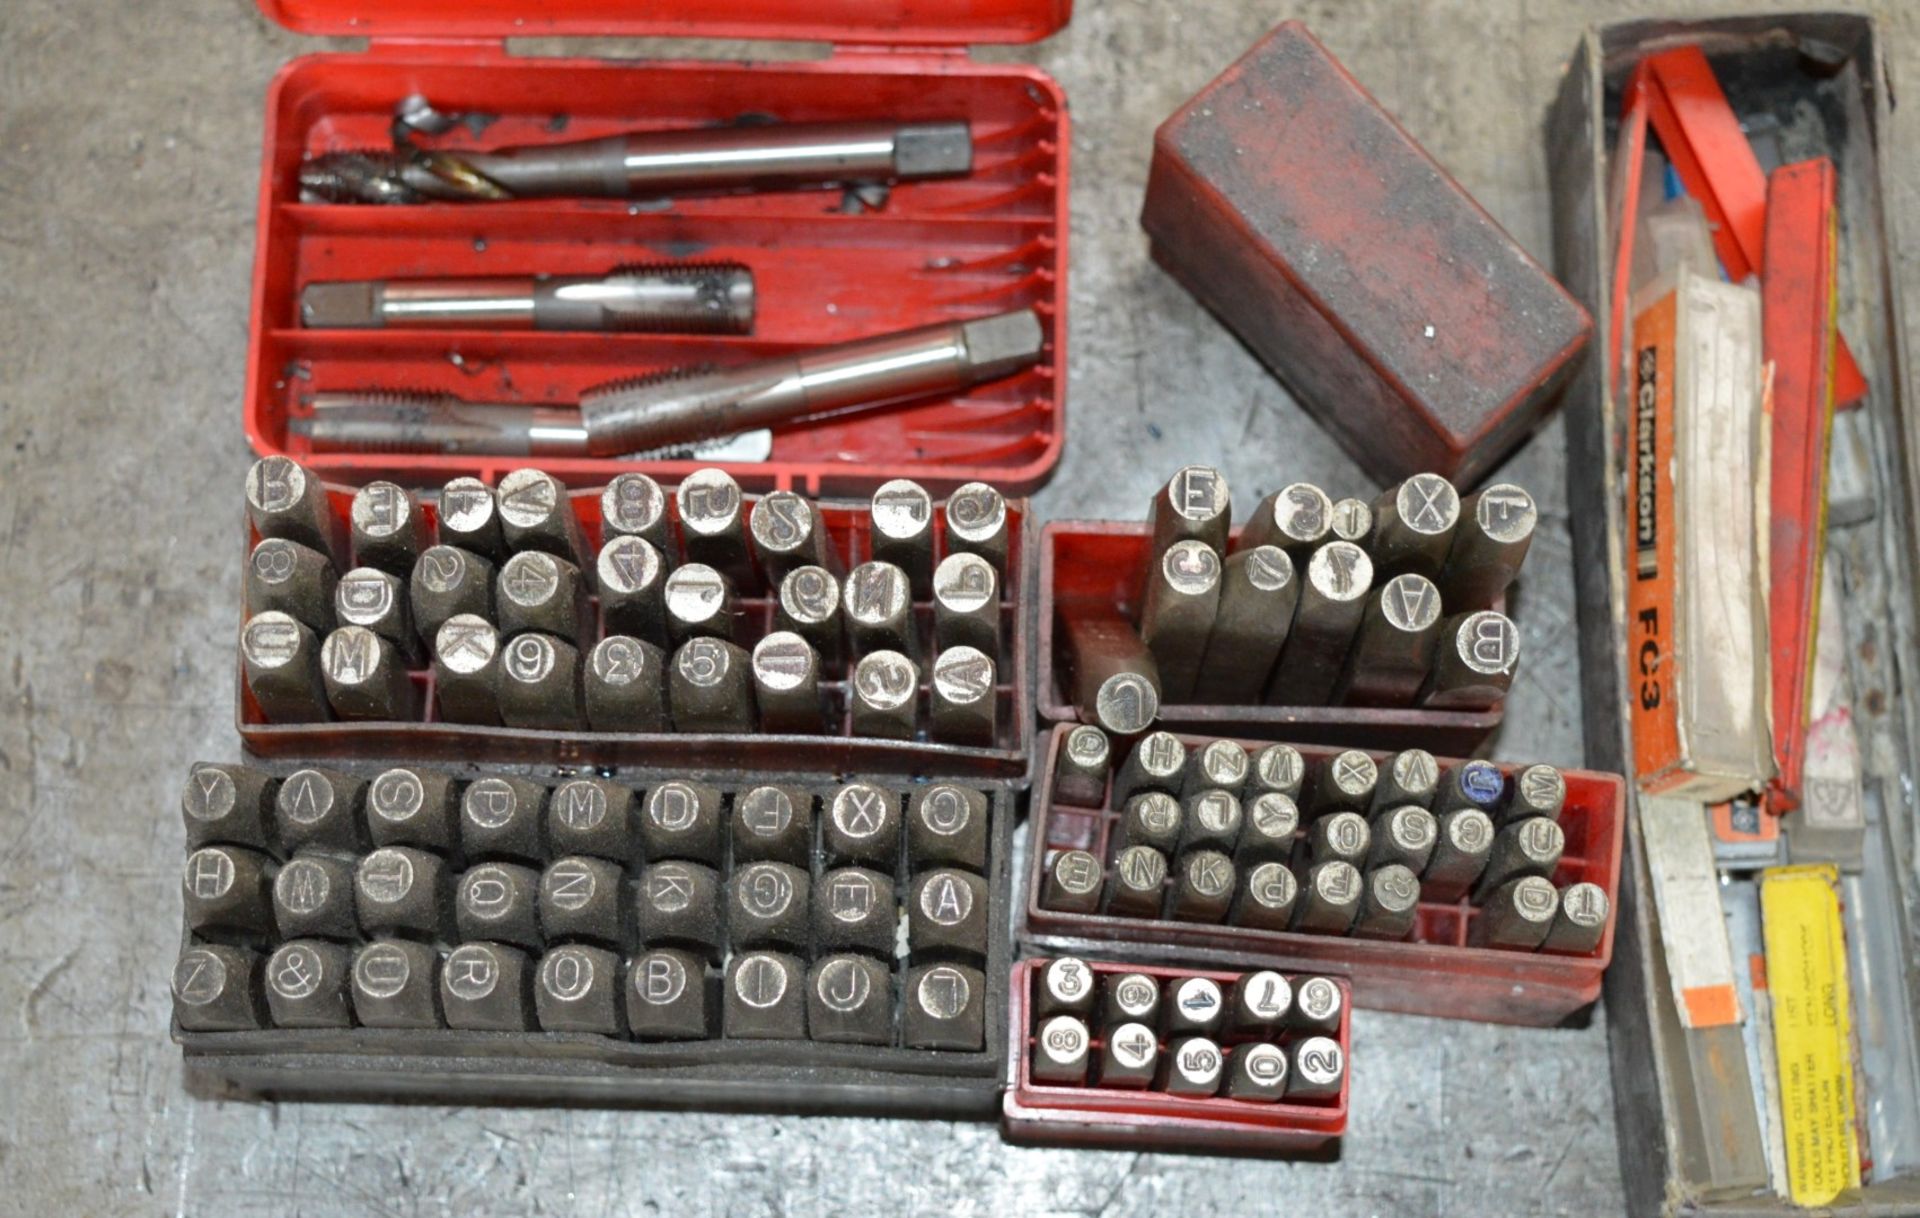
680, 406
681, 298
643, 165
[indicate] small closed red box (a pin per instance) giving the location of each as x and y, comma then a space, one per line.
1396, 310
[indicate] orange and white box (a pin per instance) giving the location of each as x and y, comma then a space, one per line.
1697, 480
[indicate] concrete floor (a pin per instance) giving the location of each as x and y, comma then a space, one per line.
128, 161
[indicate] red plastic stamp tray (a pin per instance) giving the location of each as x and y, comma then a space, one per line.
936, 250
1152, 1120
1101, 562
1433, 973
430, 739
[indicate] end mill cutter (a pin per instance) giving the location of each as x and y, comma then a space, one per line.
688, 298
647, 164
696, 404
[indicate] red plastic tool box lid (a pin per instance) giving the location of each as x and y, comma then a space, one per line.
908, 22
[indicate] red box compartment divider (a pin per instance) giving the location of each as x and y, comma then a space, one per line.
1434, 973
1153, 1120
1102, 562
936, 251
430, 739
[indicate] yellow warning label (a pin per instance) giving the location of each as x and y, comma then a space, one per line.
1812, 1033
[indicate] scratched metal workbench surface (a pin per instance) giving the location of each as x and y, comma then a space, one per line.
128, 165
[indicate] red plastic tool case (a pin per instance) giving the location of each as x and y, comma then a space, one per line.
1100, 562
1433, 973
1150, 1120
1008, 756
937, 250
